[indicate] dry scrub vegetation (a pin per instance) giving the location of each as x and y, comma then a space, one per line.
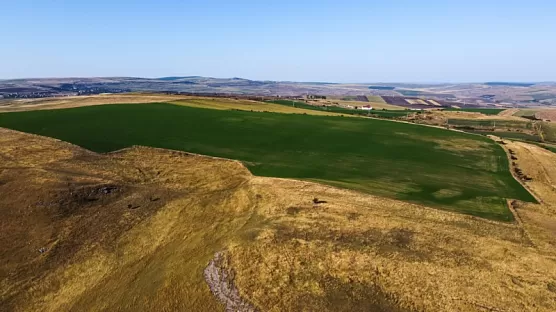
134, 231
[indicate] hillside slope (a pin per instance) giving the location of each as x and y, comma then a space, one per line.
134, 231
424, 165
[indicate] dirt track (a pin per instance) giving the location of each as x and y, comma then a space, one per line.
135, 230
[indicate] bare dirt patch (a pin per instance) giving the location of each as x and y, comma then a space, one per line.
220, 280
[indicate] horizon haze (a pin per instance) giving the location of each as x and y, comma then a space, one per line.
352, 41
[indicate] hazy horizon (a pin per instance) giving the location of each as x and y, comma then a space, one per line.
303, 41
284, 81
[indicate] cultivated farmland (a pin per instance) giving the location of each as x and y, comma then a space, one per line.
491, 123
342, 110
193, 101
434, 167
486, 111
135, 230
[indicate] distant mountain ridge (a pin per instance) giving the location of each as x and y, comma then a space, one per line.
507, 93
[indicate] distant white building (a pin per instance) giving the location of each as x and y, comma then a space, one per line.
366, 107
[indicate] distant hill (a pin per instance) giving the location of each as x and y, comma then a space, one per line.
504, 93
381, 88
177, 78
510, 84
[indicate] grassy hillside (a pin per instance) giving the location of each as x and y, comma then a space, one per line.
444, 169
549, 129
135, 231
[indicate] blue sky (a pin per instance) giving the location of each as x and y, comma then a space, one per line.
339, 41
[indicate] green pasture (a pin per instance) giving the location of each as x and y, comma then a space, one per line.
424, 165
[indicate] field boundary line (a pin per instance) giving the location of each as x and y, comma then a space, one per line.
506, 151
545, 172
517, 217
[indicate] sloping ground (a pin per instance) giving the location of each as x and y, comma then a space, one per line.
509, 112
134, 230
540, 165
423, 165
79, 101
192, 101
245, 105
548, 114
478, 116
127, 231
549, 131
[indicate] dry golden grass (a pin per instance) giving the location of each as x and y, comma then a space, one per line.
539, 164
193, 101
547, 114
78, 101
508, 112
105, 254
474, 115
354, 252
416, 102
226, 104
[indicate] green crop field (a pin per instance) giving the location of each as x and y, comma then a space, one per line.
444, 169
511, 135
490, 123
347, 111
486, 111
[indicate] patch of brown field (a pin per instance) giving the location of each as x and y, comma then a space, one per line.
419, 101
78, 101
475, 115
546, 114
135, 230
508, 112
192, 101
246, 105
